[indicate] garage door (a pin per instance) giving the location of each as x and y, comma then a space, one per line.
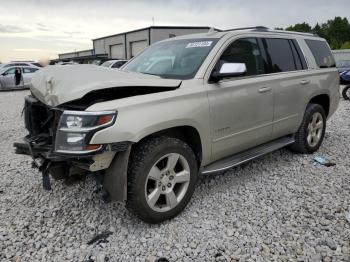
137, 47
117, 51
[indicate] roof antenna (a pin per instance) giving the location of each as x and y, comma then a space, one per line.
212, 31
153, 21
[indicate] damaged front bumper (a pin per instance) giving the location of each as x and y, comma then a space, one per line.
108, 162
94, 161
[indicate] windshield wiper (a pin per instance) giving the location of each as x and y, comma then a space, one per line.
149, 74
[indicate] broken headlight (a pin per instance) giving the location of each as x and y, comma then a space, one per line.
76, 129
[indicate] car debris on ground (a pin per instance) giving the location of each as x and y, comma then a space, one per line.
323, 161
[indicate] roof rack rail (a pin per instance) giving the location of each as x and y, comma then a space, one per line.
295, 33
258, 28
266, 29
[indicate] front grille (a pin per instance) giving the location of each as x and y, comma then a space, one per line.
35, 114
40, 120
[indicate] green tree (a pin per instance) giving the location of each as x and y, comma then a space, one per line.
346, 45
320, 30
338, 32
303, 27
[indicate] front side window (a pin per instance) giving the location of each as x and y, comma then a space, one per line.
280, 55
322, 53
247, 51
10, 71
175, 59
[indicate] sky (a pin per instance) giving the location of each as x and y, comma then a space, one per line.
40, 29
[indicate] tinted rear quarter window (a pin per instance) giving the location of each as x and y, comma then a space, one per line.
280, 54
322, 53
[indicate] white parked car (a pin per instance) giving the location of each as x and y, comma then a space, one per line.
21, 64
16, 77
67, 63
114, 63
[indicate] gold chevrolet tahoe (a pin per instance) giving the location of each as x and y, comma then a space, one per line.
186, 106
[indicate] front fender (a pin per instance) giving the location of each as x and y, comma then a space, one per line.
138, 120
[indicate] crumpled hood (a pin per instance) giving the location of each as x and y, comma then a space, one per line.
55, 85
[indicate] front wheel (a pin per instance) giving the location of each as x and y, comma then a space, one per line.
161, 178
311, 132
346, 92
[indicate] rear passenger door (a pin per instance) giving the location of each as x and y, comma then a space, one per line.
27, 75
287, 69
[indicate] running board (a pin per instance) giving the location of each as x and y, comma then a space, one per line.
247, 155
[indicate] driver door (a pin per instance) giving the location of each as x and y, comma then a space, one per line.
241, 108
7, 79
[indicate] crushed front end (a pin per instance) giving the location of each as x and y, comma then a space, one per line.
59, 143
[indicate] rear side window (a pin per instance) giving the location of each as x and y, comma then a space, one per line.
322, 53
29, 70
280, 54
118, 64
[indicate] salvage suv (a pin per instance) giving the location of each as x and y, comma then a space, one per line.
189, 105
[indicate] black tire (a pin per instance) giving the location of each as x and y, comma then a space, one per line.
144, 156
301, 144
345, 92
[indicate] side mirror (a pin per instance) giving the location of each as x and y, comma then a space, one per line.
228, 70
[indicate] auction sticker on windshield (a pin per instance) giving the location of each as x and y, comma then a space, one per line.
199, 44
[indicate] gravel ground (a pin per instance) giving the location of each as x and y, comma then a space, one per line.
281, 207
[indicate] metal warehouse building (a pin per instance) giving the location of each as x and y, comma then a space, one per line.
129, 44
82, 56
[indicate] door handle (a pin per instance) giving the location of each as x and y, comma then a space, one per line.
304, 82
265, 89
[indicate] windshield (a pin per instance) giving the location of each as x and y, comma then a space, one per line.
107, 63
176, 59
343, 63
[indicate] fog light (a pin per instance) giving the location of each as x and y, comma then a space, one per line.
75, 138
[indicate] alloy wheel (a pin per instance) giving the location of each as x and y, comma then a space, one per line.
167, 182
315, 129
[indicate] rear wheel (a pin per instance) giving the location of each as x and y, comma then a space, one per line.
161, 179
346, 92
311, 132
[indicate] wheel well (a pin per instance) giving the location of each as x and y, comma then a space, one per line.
322, 100
188, 134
